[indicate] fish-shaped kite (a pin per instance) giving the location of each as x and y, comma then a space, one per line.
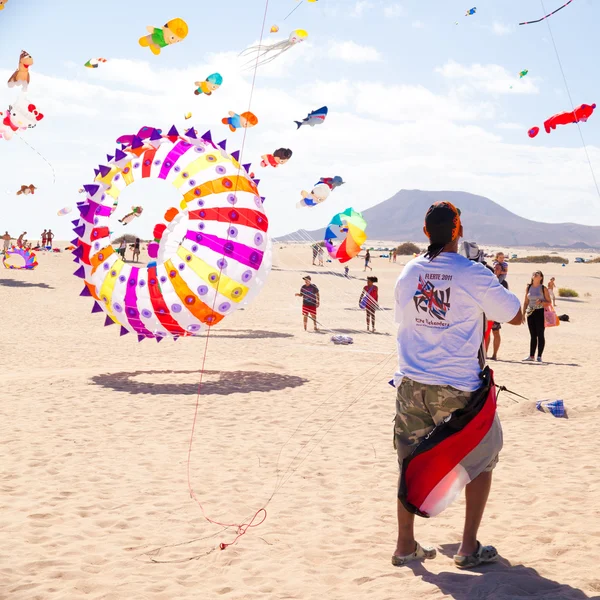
471, 11
316, 117
523, 73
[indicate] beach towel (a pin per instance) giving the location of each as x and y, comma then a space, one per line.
453, 454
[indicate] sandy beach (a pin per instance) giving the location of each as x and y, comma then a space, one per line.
95, 430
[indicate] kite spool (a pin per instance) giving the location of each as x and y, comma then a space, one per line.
212, 257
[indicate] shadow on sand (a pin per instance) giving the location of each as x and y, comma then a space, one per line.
250, 334
220, 383
529, 364
15, 283
498, 581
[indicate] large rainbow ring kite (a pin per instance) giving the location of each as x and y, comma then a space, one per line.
212, 254
28, 257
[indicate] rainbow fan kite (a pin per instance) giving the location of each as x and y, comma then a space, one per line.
29, 261
352, 225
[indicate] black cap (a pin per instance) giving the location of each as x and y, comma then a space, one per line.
442, 223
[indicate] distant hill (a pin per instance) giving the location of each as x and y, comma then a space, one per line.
401, 218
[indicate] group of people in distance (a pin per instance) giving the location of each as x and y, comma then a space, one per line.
135, 247
46, 240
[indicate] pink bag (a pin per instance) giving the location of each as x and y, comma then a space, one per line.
550, 317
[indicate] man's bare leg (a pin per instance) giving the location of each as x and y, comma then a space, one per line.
497, 340
305, 318
406, 543
476, 493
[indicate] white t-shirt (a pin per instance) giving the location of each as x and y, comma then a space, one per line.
439, 309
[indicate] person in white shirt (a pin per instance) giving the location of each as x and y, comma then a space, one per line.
442, 300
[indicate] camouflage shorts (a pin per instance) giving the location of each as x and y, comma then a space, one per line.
419, 408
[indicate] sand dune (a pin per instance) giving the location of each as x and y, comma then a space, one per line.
94, 499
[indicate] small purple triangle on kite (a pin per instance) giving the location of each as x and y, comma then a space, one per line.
191, 133
80, 272
120, 155
222, 144
155, 135
91, 189
79, 230
75, 222
207, 137
78, 251
137, 142
97, 172
108, 321
159, 339
175, 338
235, 155
123, 331
109, 157
96, 308
104, 170
76, 260
84, 209
262, 198
141, 338
247, 167
173, 132
256, 181
85, 291
75, 241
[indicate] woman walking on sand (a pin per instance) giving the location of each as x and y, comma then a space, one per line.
368, 261
536, 298
551, 287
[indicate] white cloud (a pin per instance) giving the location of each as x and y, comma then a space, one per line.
488, 78
393, 10
352, 52
510, 126
501, 29
379, 137
417, 24
360, 8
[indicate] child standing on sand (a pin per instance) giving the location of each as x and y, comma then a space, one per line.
368, 300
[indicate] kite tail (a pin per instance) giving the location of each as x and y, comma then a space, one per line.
299, 124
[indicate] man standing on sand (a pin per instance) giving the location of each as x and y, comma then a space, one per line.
441, 299
49, 238
6, 241
310, 301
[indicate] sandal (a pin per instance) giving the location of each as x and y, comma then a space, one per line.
419, 553
481, 556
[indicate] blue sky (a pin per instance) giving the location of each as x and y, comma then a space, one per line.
415, 101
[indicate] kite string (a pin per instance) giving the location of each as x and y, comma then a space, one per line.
241, 528
41, 156
293, 10
571, 101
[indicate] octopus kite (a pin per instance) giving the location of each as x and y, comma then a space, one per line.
580, 114
136, 211
265, 53
209, 257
